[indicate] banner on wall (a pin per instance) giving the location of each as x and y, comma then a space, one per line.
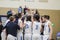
3, 18
9, 0
43, 0
27, 0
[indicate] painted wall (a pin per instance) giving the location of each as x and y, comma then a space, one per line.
52, 8
54, 17
51, 4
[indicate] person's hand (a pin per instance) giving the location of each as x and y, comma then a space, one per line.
50, 38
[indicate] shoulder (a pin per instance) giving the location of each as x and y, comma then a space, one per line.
49, 22
41, 23
29, 22
7, 21
19, 19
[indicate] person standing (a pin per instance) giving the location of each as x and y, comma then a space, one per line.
11, 29
47, 28
1, 27
9, 13
20, 9
28, 28
36, 28
25, 10
20, 32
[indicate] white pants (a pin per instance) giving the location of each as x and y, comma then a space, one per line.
20, 36
45, 37
3, 35
10, 37
41, 37
36, 37
27, 37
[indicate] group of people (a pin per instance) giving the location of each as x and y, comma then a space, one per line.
30, 26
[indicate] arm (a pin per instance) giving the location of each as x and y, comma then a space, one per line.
22, 24
4, 28
42, 28
51, 31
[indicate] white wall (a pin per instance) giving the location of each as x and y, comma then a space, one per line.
51, 4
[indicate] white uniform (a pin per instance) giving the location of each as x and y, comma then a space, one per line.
20, 32
3, 34
10, 37
46, 30
6, 22
27, 35
36, 31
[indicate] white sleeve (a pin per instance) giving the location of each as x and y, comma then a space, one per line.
19, 21
6, 22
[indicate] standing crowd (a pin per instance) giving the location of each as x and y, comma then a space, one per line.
26, 26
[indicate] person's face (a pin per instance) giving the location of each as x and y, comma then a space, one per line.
26, 11
43, 19
22, 14
13, 13
33, 11
14, 19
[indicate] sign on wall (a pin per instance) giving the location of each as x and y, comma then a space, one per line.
9, 0
43, 0
27, 0
3, 19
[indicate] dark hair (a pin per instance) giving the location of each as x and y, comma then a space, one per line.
20, 6
28, 18
47, 17
16, 16
36, 17
41, 17
9, 15
11, 18
19, 15
37, 12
